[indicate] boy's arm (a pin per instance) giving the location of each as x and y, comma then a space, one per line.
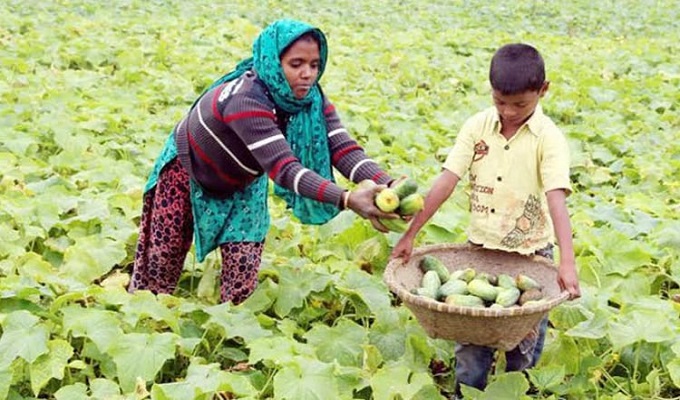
441, 189
456, 165
567, 275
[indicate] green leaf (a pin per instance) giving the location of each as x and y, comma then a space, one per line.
507, 386
306, 379
547, 378
595, 327
372, 359
11, 244
140, 355
618, 254
365, 288
350, 381
632, 288
398, 381
145, 304
563, 350
390, 331
103, 361
674, 371
640, 324
202, 380
77, 391
100, 326
5, 382
262, 298
91, 257
419, 352
279, 350
50, 365
295, 284
104, 388
23, 336
35, 266
176, 391
236, 322
342, 343
9, 304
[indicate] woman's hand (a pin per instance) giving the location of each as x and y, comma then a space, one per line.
362, 202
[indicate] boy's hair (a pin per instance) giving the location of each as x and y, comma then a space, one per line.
517, 68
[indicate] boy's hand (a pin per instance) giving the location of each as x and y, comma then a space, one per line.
403, 249
568, 279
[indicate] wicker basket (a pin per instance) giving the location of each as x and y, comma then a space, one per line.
498, 328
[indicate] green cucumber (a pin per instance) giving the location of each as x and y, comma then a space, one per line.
395, 225
482, 289
405, 187
507, 296
464, 300
430, 263
431, 282
411, 204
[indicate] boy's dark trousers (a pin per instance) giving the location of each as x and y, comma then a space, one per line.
473, 363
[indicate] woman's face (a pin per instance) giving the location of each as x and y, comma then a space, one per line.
300, 65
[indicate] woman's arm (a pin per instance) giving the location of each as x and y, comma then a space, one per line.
347, 155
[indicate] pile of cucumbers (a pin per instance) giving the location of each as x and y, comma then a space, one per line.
471, 288
402, 198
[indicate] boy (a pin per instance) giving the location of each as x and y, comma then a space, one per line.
518, 162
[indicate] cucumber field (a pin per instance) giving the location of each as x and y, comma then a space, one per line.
90, 90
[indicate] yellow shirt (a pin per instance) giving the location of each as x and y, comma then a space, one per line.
509, 178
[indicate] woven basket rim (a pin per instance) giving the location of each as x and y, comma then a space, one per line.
431, 304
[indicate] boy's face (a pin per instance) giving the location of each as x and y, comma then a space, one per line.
515, 109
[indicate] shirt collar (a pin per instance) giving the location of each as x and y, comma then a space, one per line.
534, 123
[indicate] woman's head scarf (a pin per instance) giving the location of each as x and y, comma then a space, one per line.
306, 130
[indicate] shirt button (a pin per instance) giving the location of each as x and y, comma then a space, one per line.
493, 210
507, 147
499, 179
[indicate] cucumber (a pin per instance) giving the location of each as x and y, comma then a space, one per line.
466, 274
491, 278
411, 204
507, 296
464, 300
530, 295
429, 263
525, 283
426, 292
395, 225
405, 188
454, 286
506, 281
431, 282
387, 200
482, 289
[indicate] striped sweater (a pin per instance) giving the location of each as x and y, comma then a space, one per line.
235, 134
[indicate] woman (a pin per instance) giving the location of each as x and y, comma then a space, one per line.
266, 119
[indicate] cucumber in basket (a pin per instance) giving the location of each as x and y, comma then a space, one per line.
429, 263
467, 287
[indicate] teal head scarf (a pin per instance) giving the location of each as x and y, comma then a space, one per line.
306, 129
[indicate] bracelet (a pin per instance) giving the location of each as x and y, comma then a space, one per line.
345, 200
